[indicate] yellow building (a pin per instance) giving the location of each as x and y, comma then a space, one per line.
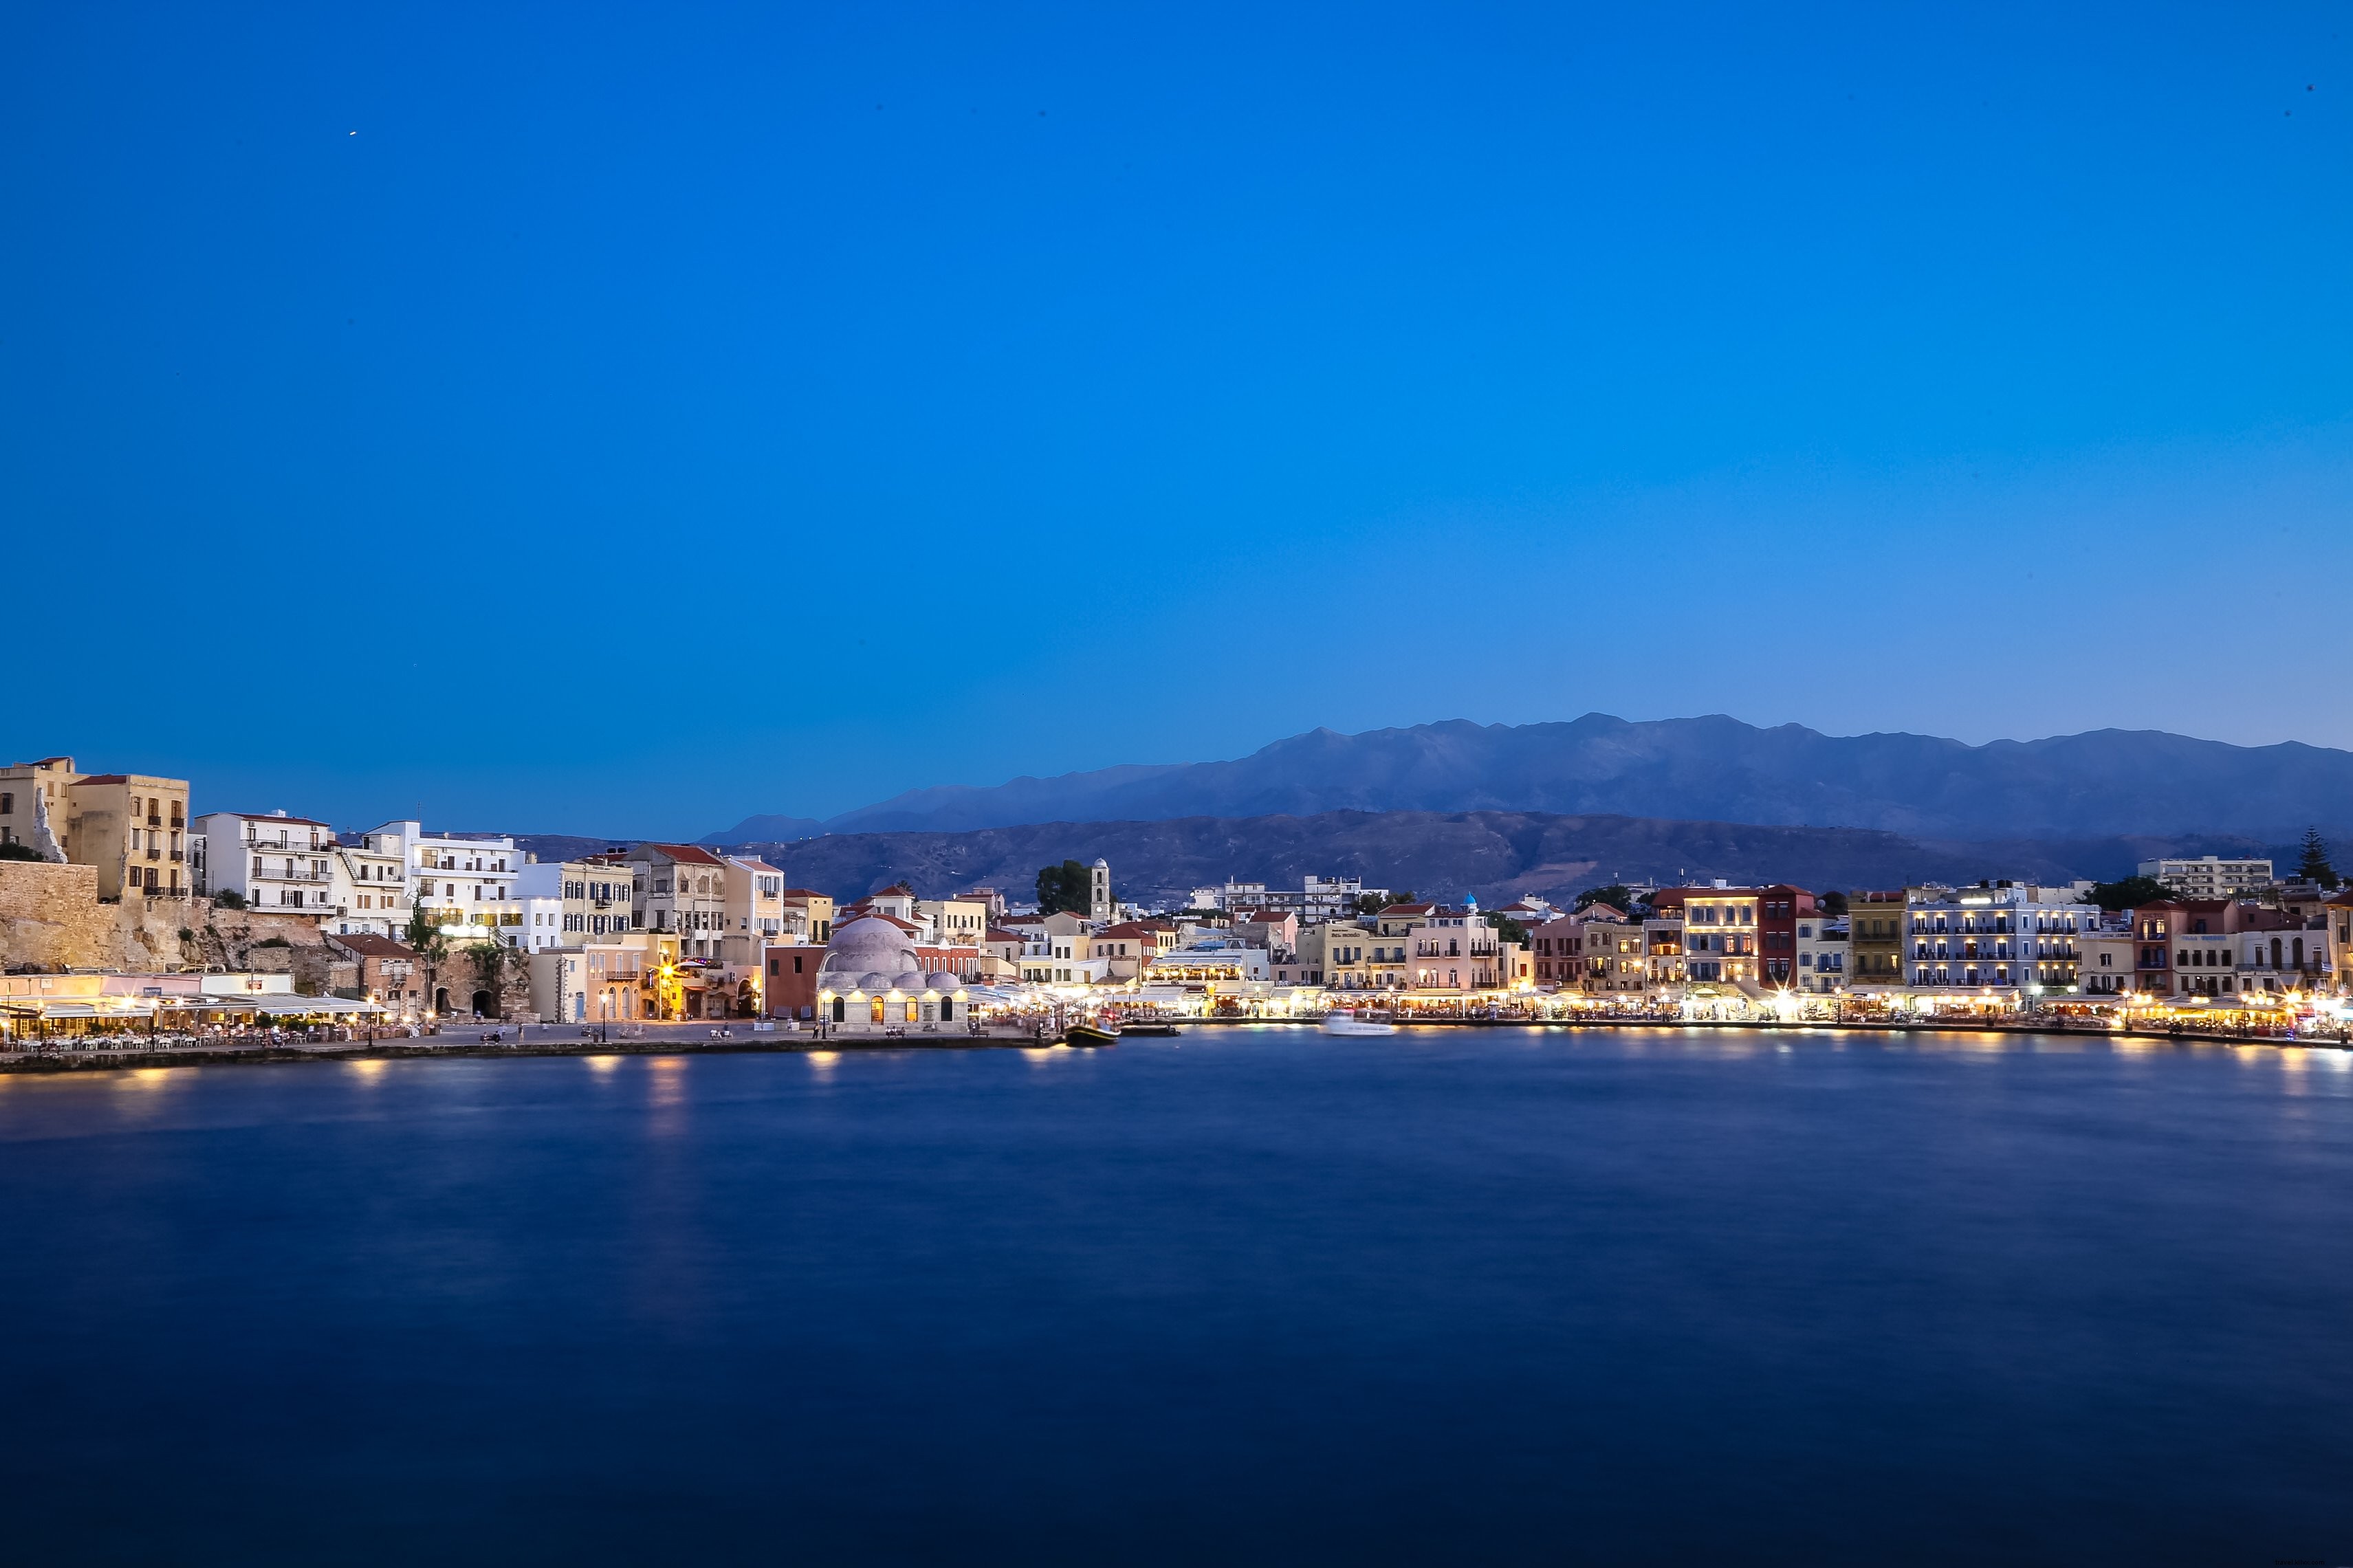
132, 827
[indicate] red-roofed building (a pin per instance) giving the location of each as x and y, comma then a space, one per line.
1277, 931
683, 890
1131, 946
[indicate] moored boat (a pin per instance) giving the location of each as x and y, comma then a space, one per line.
1090, 1035
1349, 1022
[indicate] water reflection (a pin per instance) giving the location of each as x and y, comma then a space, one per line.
666, 1096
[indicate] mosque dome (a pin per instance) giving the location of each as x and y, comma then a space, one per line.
870, 954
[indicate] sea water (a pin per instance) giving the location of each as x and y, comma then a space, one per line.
1248, 1295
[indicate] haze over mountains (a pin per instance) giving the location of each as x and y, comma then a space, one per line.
2101, 783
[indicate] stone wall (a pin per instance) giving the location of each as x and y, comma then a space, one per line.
51, 918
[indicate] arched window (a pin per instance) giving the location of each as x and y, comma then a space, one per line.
947, 1009
840, 1009
877, 1012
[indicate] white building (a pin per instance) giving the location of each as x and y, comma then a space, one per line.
2209, 876
2007, 939
1822, 948
953, 922
466, 886
275, 862
369, 886
1216, 958
1315, 900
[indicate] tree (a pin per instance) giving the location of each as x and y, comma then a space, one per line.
13, 850
1509, 929
1067, 886
2128, 894
424, 936
1372, 903
1615, 895
1833, 902
2314, 866
229, 898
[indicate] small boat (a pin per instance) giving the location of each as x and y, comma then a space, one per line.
1349, 1024
1155, 1028
1090, 1035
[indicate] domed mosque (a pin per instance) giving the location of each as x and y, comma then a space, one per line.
872, 979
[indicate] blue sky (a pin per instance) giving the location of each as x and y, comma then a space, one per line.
842, 401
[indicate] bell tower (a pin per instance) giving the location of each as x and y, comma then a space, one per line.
1099, 904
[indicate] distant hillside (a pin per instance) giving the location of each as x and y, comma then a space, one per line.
1712, 769
1496, 855
766, 830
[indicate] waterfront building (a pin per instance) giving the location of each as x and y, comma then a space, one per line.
385, 970
681, 889
1823, 947
1999, 941
132, 827
1393, 934
464, 884
1055, 954
1875, 932
2337, 918
2105, 961
1277, 931
2209, 876
274, 862
1213, 959
1302, 965
1453, 949
1346, 944
1612, 954
626, 978
593, 896
1662, 940
1720, 933
2286, 960
1129, 947
1557, 948
367, 887
32, 803
754, 915
872, 980
1779, 909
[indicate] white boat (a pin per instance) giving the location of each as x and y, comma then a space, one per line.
1349, 1024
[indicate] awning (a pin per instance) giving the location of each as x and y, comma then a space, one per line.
278, 1004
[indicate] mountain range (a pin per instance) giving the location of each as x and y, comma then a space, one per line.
2101, 783
1497, 855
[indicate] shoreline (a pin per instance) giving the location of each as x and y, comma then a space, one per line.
69, 1061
